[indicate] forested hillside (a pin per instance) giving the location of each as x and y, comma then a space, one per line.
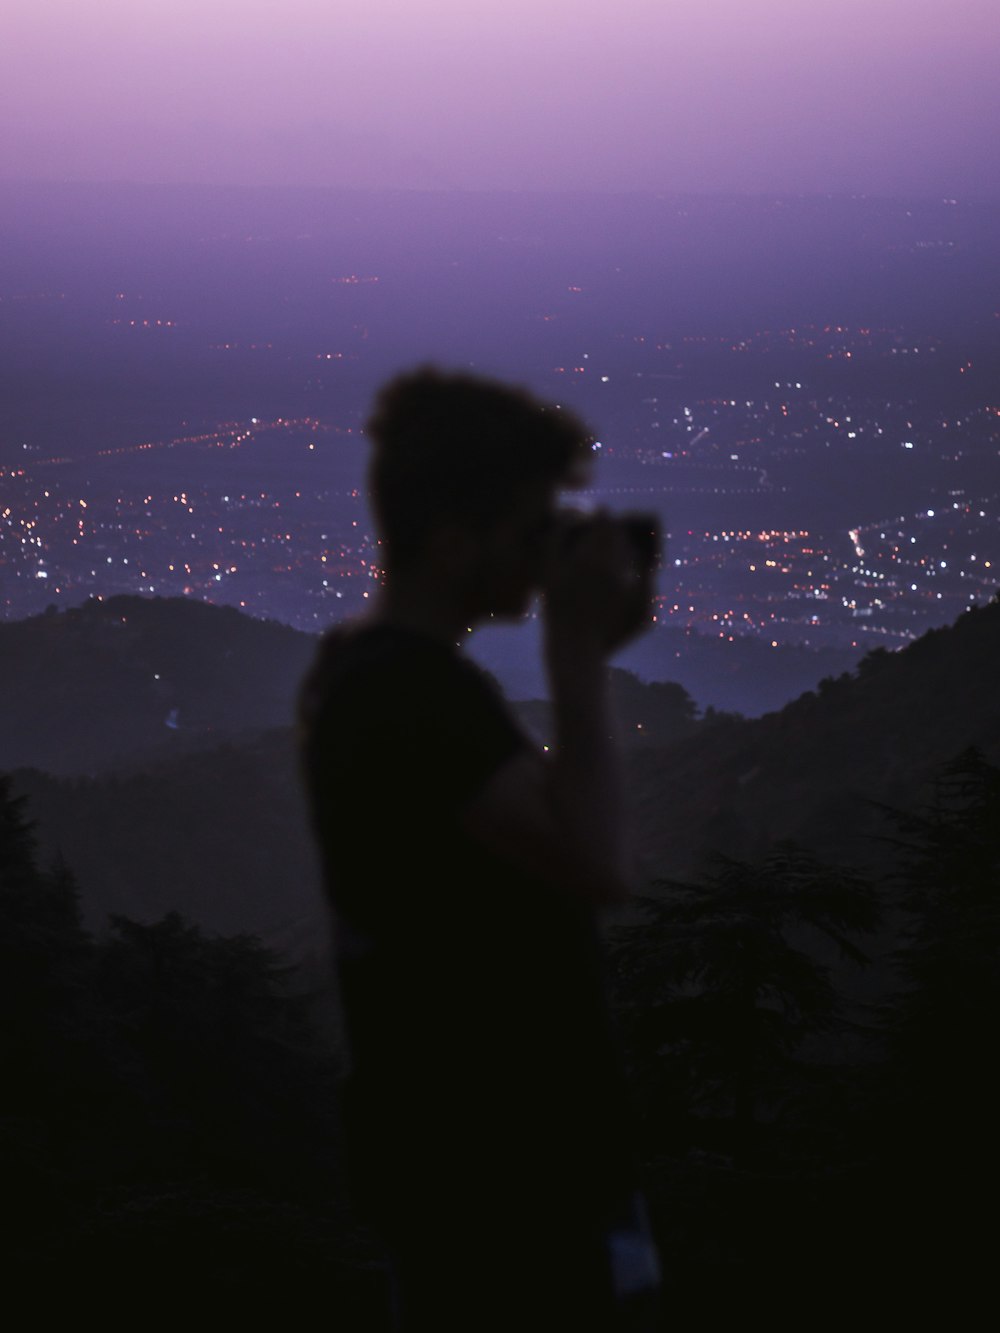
113, 683
818, 769
171, 1109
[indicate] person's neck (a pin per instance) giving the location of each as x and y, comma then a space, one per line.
415, 604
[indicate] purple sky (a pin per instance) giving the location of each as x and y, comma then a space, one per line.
872, 96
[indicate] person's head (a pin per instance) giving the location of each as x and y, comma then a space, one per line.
460, 457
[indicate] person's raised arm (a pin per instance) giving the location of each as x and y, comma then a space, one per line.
560, 817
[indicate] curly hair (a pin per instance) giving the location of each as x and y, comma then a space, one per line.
459, 447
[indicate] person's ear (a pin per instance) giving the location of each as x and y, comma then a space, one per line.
453, 546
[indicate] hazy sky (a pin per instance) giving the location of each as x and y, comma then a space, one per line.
873, 96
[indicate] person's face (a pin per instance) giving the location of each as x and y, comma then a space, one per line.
512, 553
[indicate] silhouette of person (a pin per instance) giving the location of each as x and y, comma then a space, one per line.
486, 1115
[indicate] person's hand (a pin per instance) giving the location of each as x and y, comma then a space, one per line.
597, 590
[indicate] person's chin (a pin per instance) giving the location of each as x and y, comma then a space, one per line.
515, 606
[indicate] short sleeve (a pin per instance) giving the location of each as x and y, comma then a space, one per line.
445, 733
401, 733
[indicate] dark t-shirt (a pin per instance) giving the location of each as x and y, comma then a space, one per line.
483, 1067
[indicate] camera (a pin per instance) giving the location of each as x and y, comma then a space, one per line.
642, 531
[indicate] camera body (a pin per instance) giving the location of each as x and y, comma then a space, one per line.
641, 529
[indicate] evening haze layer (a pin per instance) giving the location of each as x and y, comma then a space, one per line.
763, 96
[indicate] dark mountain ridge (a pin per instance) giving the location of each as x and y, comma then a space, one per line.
817, 769
211, 820
126, 681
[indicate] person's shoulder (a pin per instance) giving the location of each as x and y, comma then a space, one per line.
391, 708
357, 650
363, 661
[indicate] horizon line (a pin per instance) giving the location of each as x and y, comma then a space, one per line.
506, 191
